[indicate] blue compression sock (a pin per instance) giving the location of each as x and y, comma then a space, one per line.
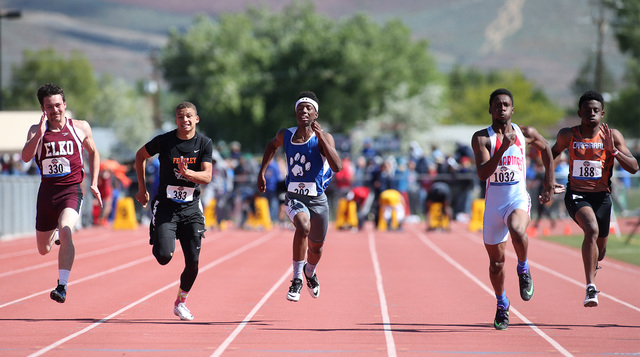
503, 300
523, 267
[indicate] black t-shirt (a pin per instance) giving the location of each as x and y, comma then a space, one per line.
172, 184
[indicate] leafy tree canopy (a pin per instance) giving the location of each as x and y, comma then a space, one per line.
623, 111
245, 71
75, 75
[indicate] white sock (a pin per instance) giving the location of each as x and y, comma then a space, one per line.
297, 269
63, 276
310, 269
592, 284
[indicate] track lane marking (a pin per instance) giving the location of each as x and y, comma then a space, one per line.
490, 291
564, 277
225, 344
214, 263
93, 276
384, 310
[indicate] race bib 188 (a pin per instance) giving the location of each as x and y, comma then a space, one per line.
587, 170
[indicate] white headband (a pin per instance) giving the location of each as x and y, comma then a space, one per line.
306, 100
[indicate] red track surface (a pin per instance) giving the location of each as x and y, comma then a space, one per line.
383, 294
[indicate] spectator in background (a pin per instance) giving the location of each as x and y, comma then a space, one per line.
438, 192
273, 177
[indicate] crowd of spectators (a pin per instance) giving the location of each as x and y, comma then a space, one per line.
411, 173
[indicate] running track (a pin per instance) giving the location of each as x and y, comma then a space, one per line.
382, 294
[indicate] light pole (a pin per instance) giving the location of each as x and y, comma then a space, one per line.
9, 14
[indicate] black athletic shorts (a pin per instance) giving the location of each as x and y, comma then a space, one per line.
600, 203
171, 220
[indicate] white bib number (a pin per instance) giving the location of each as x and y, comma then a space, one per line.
587, 170
180, 193
505, 175
303, 188
56, 167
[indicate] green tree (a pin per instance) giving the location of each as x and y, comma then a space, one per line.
75, 75
586, 79
245, 71
470, 90
623, 111
120, 106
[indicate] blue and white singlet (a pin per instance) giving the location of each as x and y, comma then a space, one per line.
308, 171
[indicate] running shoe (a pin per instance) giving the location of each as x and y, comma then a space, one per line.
182, 312
312, 283
294, 290
59, 294
501, 321
526, 286
591, 300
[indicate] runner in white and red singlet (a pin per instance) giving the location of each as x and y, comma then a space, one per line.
501, 161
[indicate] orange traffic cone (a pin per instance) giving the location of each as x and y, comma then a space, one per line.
546, 231
567, 230
532, 232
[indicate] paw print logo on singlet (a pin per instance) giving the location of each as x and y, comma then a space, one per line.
299, 164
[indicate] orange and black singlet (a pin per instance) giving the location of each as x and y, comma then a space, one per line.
590, 164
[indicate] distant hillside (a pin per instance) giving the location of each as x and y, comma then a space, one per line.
546, 40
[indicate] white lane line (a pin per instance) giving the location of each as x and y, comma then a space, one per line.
78, 257
576, 253
73, 282
218, 352
168, 286
386, 321
490, 291
93, 276
566, 278
34, 249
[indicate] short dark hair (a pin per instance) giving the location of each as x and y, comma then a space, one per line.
187, 105
591, 95
47, 90
309, 94
498, 92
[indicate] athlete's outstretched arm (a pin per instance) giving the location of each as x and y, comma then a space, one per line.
537, 141
141, 161
269, 153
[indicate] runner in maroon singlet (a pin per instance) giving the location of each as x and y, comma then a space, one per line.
56, 143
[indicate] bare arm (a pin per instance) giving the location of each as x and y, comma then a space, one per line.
536, 140
615, 141
327, 147
485, 163
94, 157
33, 137
202, 177
269, 153
141, 160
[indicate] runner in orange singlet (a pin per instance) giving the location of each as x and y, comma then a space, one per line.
593, 147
